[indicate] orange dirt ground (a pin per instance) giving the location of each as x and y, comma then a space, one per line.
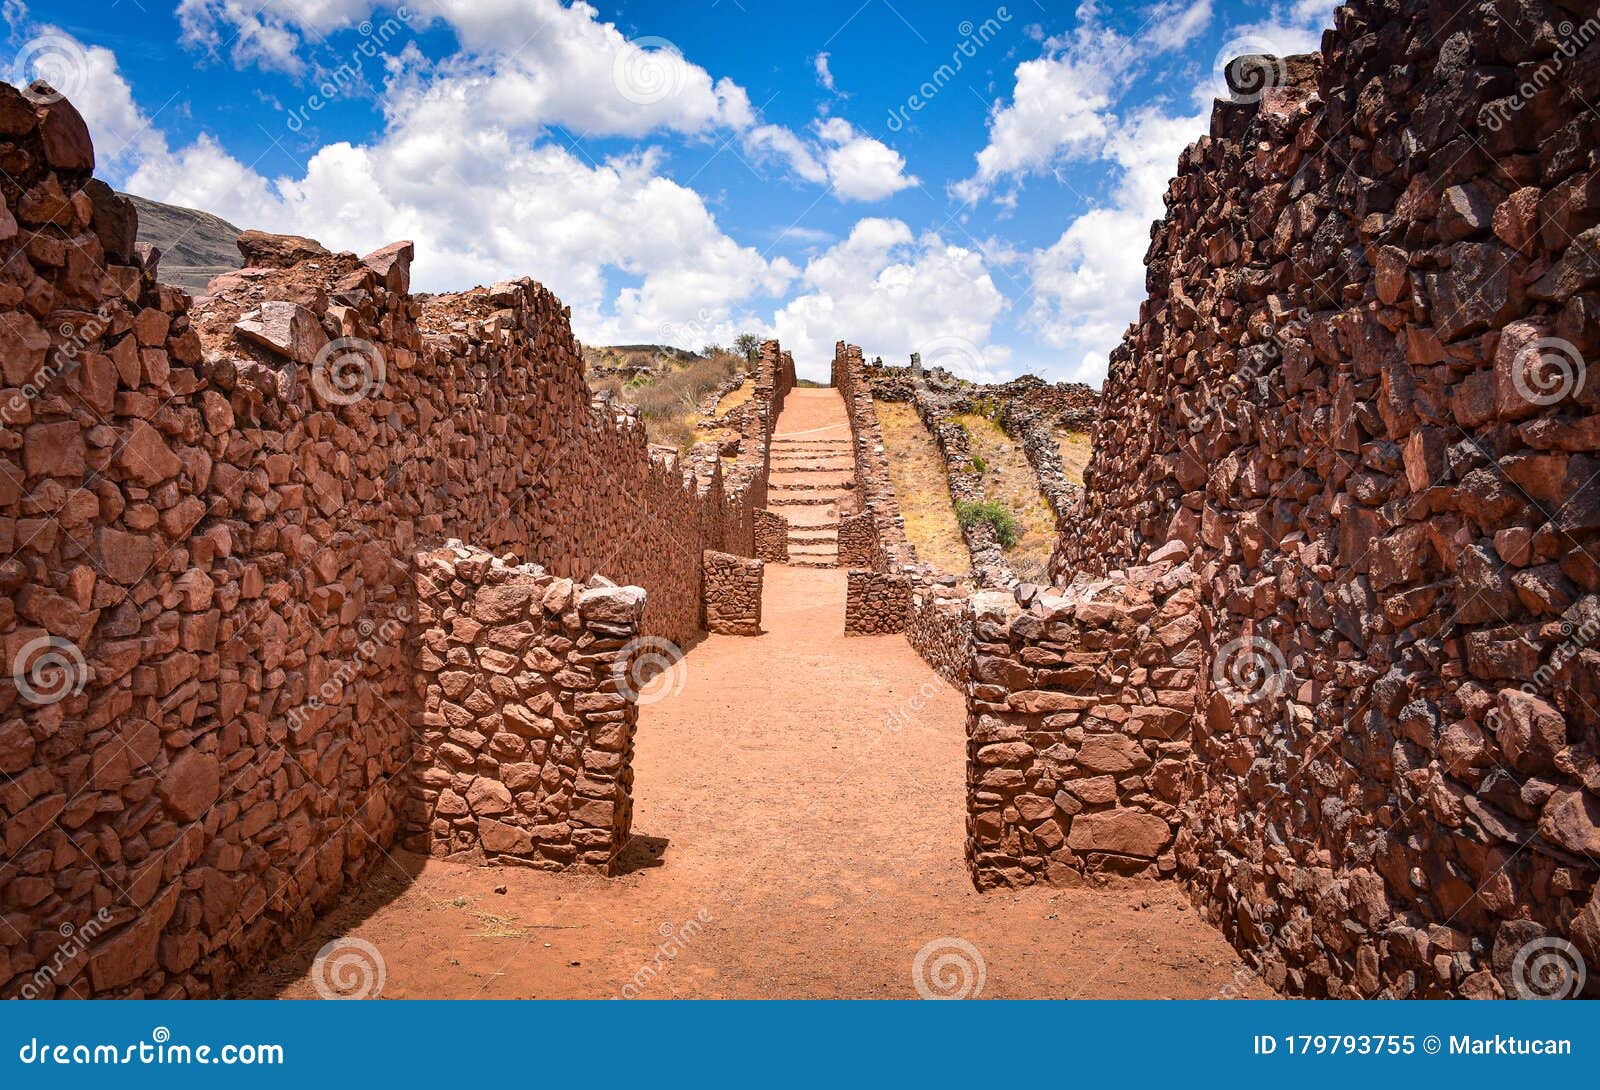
803, 792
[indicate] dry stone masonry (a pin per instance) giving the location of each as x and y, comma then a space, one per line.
1079, 718
733, 594
526, 744
208, 717
935, 616
1361, 394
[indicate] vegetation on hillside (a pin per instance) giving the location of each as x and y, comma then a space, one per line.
916, 469
1016, 507
666, 385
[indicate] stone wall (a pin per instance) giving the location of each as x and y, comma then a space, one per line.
524, 751
733, 594
936, 622
1031, 429
939, 628
771, 536
1079, 712
891, 551
876, 602
1358, 391
210, 515
859, 546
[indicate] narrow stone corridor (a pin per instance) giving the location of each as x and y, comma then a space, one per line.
798, 829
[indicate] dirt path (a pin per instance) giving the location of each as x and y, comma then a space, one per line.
799, 798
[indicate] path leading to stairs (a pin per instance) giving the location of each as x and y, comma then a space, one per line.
799, 805
812, 474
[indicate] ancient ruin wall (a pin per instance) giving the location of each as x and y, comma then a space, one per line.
1360, 390
733, 594
936, 620
525, 753
208, 706
1079, 713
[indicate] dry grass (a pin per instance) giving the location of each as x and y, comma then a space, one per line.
732, 401
1008, 478
669, 401
1075, 447
917, 472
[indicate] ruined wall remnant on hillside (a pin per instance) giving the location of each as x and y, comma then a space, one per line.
1358, 398
211, 703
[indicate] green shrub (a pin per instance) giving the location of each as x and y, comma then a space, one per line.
996, 514
979, 465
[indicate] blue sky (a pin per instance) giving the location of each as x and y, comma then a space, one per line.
974, 181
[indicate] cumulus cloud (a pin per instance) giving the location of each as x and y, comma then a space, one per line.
528, 65
637, 256
1174, 24
268, 36
859, 167
1068, 108
895, 293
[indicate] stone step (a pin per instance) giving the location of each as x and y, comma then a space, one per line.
809, 486
800, 500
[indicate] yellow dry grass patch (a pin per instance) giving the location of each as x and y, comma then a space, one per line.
1008, 477
917, 472
738, 397
1075, 448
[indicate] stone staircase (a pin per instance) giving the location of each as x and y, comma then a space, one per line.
809, 478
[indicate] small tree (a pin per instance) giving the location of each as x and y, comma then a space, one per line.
748, 345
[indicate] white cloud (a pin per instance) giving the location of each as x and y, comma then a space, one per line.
1087, 284
893, 293
859, 167
481, 203
268, 36
1059, 110
1174, 24
1067, 107
824, 76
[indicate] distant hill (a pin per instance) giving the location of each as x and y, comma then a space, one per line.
195, 246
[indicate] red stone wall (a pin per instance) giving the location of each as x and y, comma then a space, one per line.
935, 618
1361, 390
209, 514
733, 594
1079, 712
524, 752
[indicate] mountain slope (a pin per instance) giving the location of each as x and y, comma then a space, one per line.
195, 246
